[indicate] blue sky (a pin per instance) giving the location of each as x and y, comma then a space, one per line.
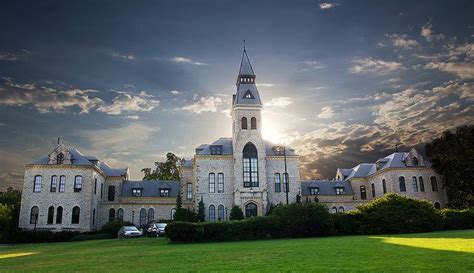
342, 81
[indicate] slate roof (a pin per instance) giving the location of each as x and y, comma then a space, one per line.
326, 187
242, 88
362, 170
150, 188
187, 163
78, 159
245, 66
227, 148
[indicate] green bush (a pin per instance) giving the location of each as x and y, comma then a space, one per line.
113, 227
397, 214
236, 213
84, 237
184, 232
457, 219
302, 219
185, 215
345, 223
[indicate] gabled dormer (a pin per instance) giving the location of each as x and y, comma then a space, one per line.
60, 155
414, 159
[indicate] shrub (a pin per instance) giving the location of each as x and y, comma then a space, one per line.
185, 215
236, 213
345, 223
113, 227
84, 237
457, 219
184, 232
397, 214
302, 219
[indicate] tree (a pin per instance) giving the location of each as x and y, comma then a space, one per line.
168, 170
201, 215
236, 213
452, 156
179, 201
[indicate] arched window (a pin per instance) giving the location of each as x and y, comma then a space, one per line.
62, 183
250, 165
76, 213
111, 215
253, 123
285, 182
151, 215
77, 183
189, 191
212, 182
220, 182
111, 193
250, 210
60, 158
434, 184
142, 217
384, 186
34, 215
212, 213
50, 215
120, 214
415, 184
59, 215
277, 182
37, 184
54, 183
373, 190
415, 161
437, 205
244, 123
422, 184
341, 209
93, 217
401, 182
333, 210
220, 213
363, 192
173, 213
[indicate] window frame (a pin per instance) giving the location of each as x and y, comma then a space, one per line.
142, 217
37, 183
164, 192
402, 184
363, 192
253, 123
189, 191
220, 183
250, 166
62, 183
111, 214
76, 215
220, 212
277, 180
59, 215
111, 193
212, 213
78, 183
415, 184
339, 190
384, 186
244, 123
54, 183
434, 186
151, 215
137, 192
120, 213
422, 183
372, 188
50, 219
212, 182
34, 215
314, 190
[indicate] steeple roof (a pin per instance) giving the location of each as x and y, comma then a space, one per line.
245, 66
247, 92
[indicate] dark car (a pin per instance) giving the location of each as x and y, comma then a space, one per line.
156, 229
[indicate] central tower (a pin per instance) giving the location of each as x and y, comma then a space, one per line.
250, 187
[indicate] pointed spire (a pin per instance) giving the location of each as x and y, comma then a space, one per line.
245, 66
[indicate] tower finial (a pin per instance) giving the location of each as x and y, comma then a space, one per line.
244, 44
59, 140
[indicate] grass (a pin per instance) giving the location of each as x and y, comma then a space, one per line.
449, 251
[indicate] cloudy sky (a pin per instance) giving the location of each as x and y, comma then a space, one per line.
342, 81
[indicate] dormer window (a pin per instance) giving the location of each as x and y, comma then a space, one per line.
415, 162
137, 192
164, 192
314, 191
60, 158
216, 149
248, 95
339, 190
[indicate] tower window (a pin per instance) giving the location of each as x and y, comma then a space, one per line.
250, 165
60, 158
253, 123
248, 95
363, 193
244, 123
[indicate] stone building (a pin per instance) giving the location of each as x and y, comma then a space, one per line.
66, 190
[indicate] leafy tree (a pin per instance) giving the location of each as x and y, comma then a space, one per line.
236, 213
179, 201
452, 156
167, 170
12, 199
185, 215
5, 215
201, 215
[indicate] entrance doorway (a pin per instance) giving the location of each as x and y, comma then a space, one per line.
250, 210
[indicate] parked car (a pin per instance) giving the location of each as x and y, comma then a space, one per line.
128, 232
156, 229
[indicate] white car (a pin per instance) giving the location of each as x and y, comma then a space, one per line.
128, 232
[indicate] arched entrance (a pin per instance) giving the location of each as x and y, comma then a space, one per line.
250, 210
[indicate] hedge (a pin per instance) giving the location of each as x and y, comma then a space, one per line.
390, 214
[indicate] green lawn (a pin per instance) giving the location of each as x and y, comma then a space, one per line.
451, 251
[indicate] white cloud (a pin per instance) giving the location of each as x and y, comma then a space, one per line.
281, 102
205, 104
309, 65
14, 56
179, 59
266, 84
429, 34
126, 57
371, 65
126, 102
175, 92
401, 41
463, 70
133, 117
326, 112
327, 5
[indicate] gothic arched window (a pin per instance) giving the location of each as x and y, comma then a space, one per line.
76, 212
251, 210
151, 215
34, 215
50, 215
120, 214
422, 183
60, 158
253, 123
59, 215
401, 181
434, 184
54, 183
37, 183
363, 193
244, 123
415, 184
220, 213
142, 217
384, 186
212, 213
250, 165
111, 215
